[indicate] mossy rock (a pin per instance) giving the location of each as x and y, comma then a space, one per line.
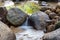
57, 25
16, 16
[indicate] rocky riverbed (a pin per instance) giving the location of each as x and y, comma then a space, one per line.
27, 32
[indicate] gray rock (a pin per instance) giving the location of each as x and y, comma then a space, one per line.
54, 35
6, 33
38, 20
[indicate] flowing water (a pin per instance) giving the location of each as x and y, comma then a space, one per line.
26, 32
29, 33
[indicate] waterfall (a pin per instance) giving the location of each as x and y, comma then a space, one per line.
25, 25
26, 22
29, 33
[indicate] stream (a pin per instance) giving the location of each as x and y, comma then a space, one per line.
29, 33
26, 32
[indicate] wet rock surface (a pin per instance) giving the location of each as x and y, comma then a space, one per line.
6, 33
16, 17
54, 35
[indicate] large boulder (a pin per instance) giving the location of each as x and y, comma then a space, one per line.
6, 33
38, 20
54, 35
16, 17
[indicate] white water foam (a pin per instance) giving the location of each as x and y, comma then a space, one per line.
30, 35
